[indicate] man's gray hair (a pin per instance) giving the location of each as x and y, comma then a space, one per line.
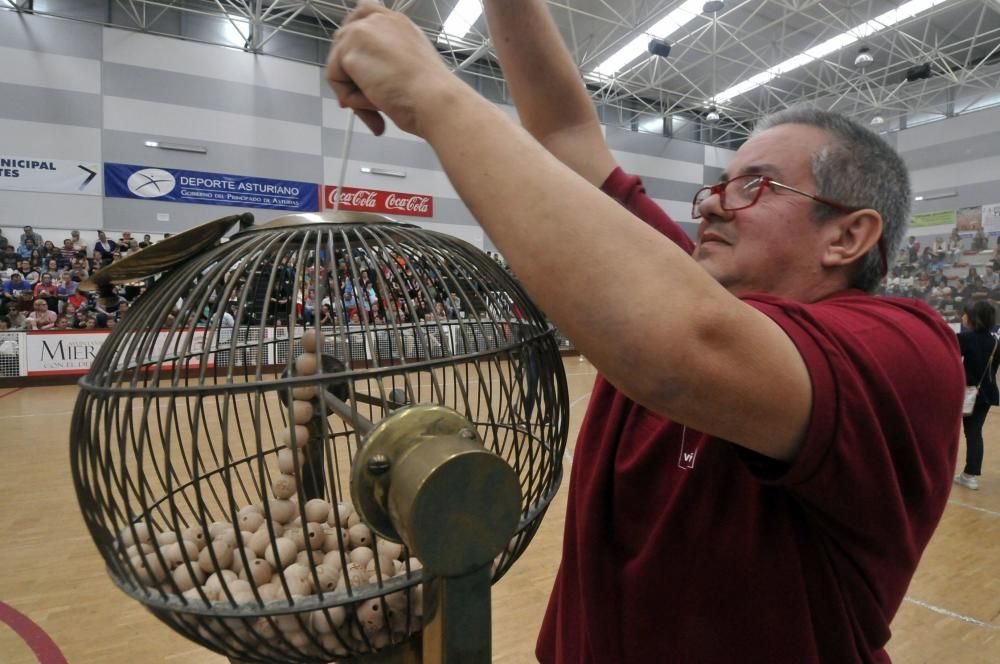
859, 170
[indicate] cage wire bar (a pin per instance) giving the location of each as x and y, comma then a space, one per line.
193, 409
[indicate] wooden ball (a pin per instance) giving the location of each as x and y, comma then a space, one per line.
250, 521
387, 566
138, 549
239, 554
317, 510
284, 486
286, 553
362, 555
197, 535
149, 569
306, 364
353, 520
259, 542
371, 615
301, 435
168, 537
334, 560
305, 393
327, 577
309, 341
360, 535
216, 528
340, 515
223, 552
282, 511
259, 572
213, 584
287, 460
302, 411
187, 578
314, 535
135, 533
324, 622
334, 539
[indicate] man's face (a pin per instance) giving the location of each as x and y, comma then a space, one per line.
775, 246
25, 266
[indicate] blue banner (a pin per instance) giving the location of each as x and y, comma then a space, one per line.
171, 184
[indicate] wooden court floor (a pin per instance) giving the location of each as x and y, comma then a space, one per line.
50, 572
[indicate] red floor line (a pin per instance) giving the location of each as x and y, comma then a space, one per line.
16, 389
38, 640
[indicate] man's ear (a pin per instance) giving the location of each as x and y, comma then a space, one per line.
851, 237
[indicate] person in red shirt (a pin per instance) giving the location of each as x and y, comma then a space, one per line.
763, 460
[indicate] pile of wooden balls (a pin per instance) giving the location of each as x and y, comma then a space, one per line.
232, 564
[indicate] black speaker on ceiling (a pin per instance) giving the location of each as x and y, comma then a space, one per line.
659, 47
918, 72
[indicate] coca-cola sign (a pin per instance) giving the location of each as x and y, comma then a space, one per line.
376, 200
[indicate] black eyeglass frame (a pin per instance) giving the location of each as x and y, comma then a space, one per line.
765, 182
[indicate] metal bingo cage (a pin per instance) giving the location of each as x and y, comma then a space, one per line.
304, 444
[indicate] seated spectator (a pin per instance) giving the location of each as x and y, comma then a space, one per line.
29, 233
68, 252
11, 291
62, 323
4, 243
10, 257
979, 241
41, 318
78, 244
46, 290
18, 321
104, 246
30, 274
52, 267
26, 248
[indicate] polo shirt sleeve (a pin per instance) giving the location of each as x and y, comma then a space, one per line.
631, 193
876, 465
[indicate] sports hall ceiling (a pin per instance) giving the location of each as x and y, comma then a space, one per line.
711, 52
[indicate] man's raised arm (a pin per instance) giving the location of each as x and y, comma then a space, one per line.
551, 100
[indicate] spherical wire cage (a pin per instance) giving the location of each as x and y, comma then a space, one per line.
213, 439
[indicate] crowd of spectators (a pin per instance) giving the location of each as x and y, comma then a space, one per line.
40, 281
40, 284
946, 272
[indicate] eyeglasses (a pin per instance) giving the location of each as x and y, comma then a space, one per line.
744, 191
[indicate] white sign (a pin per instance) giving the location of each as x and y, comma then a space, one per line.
991, 217
62, 352
60, 176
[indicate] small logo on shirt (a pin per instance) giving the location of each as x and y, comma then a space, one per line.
687, 457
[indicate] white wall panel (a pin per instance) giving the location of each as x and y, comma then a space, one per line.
657, 167
202, 124
40, 139
955, 175
47, 70
185, 57
718, 157
417, 180
20, 208
980, 123
679, 211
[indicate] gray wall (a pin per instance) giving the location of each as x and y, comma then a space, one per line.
72, 90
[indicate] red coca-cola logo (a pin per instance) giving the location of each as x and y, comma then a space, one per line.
407, 203
375, 200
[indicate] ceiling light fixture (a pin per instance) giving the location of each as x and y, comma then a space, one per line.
460, 20
877, 120
662, 29
712, 116
383, 171
934, 197
177, 147
713, 7
863, 58
832, 45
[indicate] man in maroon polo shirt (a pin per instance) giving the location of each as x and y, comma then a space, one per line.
763, 460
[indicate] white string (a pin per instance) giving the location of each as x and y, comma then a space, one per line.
343, 163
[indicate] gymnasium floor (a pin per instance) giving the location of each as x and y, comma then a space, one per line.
55, 595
